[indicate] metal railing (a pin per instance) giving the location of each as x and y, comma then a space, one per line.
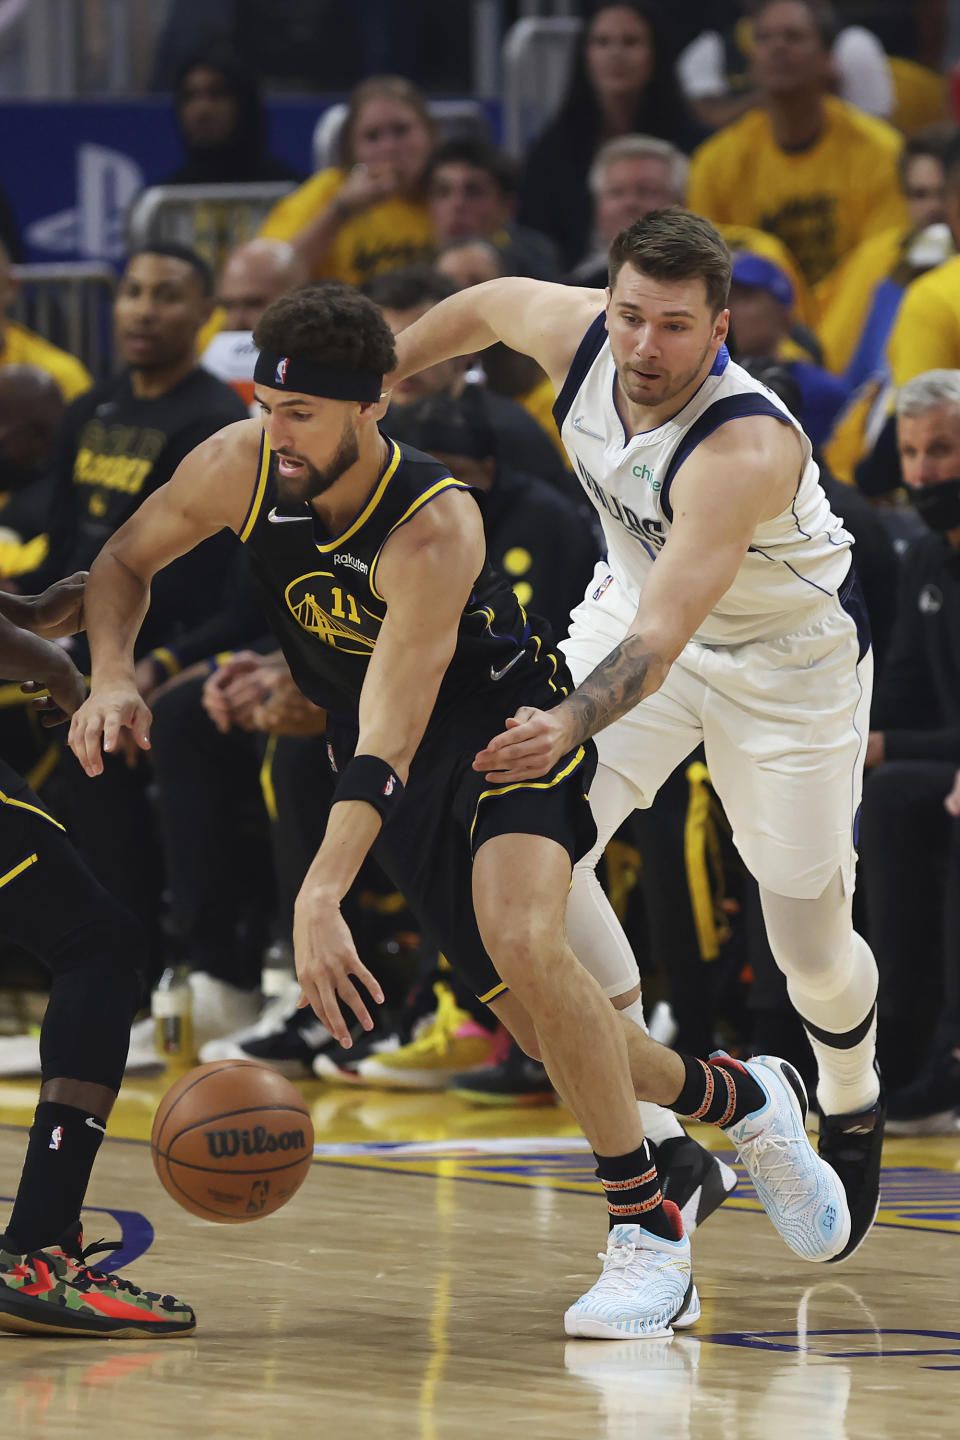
209, 218
69, 305
99, 47
537, 54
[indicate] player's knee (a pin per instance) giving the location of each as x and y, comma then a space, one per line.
527, 955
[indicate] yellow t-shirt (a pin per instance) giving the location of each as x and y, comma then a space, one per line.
387, 236
539, 403
926, 332
821, 202
22, 347
847, 296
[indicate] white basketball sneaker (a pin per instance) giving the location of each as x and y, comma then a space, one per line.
645, 1289
801, 1193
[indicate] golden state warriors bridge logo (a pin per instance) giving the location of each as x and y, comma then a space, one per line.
330, 612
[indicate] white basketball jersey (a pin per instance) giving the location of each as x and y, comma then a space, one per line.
795, 560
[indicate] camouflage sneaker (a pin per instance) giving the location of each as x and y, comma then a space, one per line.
54, 1292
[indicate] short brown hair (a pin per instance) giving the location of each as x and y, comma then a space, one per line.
328, 323
673, 244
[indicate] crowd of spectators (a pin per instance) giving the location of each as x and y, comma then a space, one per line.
819, 142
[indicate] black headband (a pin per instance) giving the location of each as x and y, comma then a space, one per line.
287, 372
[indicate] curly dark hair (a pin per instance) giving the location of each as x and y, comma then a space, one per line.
328, 323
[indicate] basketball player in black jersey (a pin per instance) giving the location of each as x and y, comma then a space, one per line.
51, 905
372, 564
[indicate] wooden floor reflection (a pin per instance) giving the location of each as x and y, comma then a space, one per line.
427, 1302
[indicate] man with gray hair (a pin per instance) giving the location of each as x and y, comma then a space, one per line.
253, 276
906, 834
629, 177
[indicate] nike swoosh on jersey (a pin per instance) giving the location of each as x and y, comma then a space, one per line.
579, 425
499, 674
94, 1126
276, 519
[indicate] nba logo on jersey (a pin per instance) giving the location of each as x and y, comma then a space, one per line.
56, 1137
388, 789
281, 376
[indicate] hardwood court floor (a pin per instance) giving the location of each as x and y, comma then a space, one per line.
416, 1291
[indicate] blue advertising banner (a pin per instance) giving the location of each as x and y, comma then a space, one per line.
71, 168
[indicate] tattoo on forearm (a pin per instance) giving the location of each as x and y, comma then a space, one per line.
617, 684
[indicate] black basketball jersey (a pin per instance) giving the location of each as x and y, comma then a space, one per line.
321, 598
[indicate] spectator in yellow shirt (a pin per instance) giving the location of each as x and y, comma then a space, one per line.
805, 166
864, 292
20, 346
368, 214
926, 335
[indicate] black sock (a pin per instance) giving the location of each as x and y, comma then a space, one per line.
719, 1092
56, 1172
632, 1188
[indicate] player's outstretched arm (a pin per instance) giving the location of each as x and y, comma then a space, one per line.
745, 473
539, 319
425, 575
209, 491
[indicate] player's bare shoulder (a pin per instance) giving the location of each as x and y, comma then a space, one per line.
442, 545
222, 472
558, 317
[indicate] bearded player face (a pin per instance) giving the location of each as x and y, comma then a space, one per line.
314, 441
662, 334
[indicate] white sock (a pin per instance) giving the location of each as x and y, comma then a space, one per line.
847, 1081
658, 1124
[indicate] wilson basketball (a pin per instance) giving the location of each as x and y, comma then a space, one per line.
232, 1141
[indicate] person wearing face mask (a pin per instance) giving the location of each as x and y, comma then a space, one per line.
913, 753
367, 214
622, 82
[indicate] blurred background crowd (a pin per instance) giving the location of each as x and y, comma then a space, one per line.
206, 157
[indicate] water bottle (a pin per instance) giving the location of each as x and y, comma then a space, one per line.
172, 1010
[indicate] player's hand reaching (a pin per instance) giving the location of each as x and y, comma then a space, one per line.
111, 716
65, 687
58, 610
326, 958
531, 745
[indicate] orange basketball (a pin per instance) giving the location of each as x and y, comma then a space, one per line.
232, 1141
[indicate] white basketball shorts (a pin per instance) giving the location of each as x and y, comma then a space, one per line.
784, 724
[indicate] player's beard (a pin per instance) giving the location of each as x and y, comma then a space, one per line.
669, 385
314, 481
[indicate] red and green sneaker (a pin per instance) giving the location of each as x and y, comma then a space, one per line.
54, 1292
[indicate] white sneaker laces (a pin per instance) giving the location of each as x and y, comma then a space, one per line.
779, 1175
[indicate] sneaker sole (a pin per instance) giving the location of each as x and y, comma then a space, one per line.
583, 1327
89, 1327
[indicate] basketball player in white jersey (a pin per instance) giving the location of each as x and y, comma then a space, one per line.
726, 613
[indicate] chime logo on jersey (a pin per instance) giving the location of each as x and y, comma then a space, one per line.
330, 612
281, 375
56, 1137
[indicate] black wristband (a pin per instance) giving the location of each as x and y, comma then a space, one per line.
367, 777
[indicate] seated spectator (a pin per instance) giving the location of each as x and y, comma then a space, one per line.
913, 752
470, 261
222, 124
31, 410
809, 168
860, 303
403, 297
636, 174
716, 75
629, 177
472, 192
253, 276
622, 83
926, 334
118, 444
367, 214
20, 346
535, 536
761, 302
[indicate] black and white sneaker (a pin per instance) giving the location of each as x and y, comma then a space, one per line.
852, 1146
696, 1180
285, 1038
930, 1105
